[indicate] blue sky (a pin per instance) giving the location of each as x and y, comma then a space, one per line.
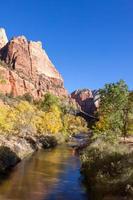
89, 41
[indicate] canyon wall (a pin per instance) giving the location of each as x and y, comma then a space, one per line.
26, 68
87, 99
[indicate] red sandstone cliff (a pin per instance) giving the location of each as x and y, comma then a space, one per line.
27, 68
88, 100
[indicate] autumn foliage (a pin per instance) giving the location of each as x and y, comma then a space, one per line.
46, 116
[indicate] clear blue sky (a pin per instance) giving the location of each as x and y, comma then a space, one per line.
89, 41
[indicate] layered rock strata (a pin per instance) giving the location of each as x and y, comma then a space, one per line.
26, 68
88, 100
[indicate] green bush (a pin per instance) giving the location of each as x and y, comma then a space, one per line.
107, 169
48, 101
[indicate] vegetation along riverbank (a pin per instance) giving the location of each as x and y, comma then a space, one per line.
36, 112
107, 163
27, 125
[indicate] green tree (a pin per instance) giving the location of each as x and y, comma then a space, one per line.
128, 115
48, 101
113, 100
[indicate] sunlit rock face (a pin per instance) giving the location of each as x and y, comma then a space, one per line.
29, 69
3, 38
41, 61
88, 100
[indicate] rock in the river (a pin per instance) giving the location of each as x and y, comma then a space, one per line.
8, 159
15, 148
20, 146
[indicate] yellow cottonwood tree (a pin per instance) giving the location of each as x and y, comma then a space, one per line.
49, 122
24, 117
73, 124
6, 119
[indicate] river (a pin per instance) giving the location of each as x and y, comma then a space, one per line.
45, 175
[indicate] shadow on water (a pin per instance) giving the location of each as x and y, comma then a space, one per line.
46, 175
8, 159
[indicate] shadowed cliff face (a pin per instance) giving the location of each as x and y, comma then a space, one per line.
28, 69
88, 100
8, 159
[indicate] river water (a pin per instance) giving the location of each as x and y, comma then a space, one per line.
45, 175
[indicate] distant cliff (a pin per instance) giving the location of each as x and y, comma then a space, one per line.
26, 68
87, 100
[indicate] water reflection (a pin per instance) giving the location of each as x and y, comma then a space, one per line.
46, 175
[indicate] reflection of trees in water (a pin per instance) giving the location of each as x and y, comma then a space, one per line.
36, 176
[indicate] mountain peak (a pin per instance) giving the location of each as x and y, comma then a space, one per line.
29, 69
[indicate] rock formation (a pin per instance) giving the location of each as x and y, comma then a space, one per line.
88, 100
26, 68
3, 38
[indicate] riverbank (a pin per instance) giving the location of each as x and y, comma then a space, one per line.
107, 169
27, 125
48, 174
15, 148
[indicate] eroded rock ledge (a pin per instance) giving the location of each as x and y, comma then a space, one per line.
14, 148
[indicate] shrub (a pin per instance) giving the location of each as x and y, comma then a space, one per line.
48, 101
73, 124
108, 169
22, 117
26, 97
6, 119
